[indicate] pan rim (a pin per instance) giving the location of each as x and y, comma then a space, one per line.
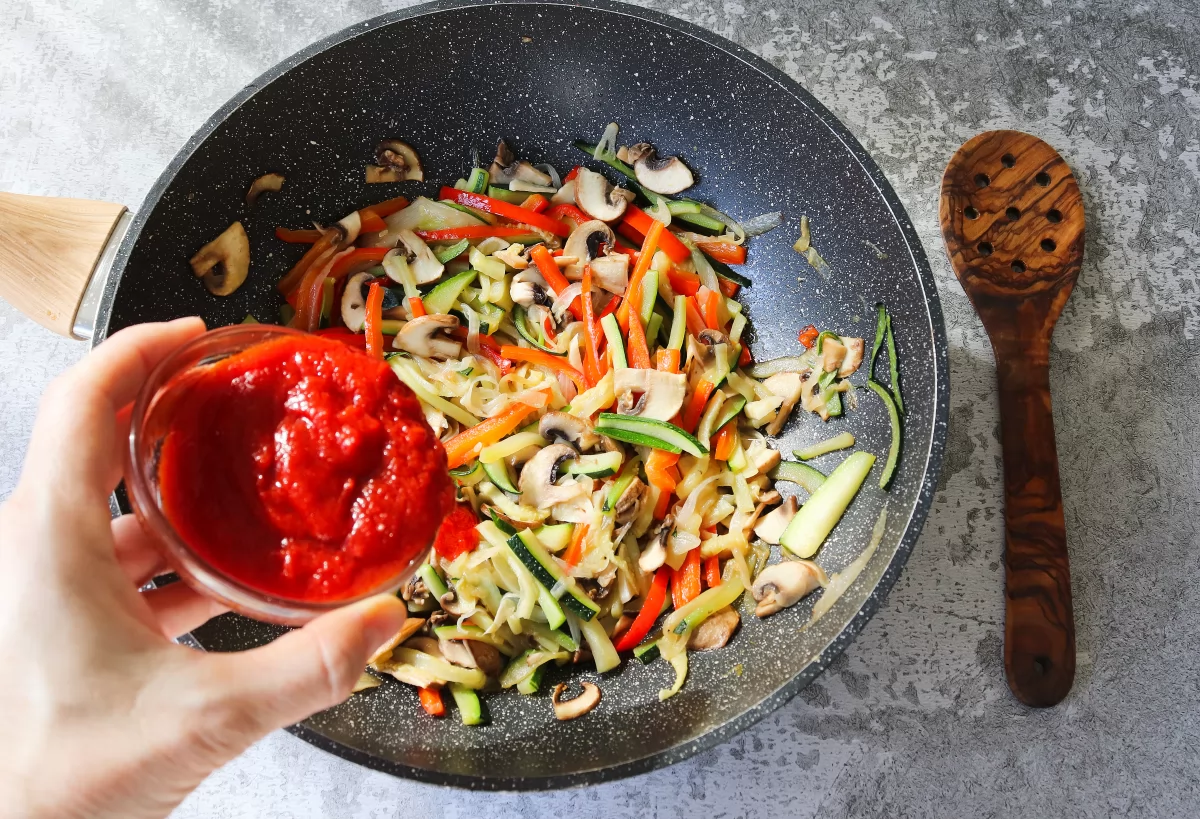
936, 329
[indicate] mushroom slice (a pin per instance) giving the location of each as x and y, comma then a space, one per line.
656, 553
787, 386
487, 657
832, 353
854, 356
665, 175
771, 525
784, 584
224, 262
663, 392
539, 478
600, 199
422, 262
630, 503
397, 162
507, 169
584, 244
577, 707
761, 457
425, 336
563, 427
411, 626
354, 304
715, 631
528, 288
611, 273
458, 652
266, 182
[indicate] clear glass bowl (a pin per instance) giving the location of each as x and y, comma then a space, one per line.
149, 425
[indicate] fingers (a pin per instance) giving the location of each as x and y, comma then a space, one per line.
304, 671
135, 551
178, 609
75, 445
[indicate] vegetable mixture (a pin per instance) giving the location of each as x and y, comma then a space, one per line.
579, 348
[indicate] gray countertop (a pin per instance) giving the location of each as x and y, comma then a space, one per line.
915, 719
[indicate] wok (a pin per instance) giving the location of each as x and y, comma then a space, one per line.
453, 76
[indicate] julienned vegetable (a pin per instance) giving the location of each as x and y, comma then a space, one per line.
580, 352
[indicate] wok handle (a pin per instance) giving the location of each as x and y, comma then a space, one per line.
1039, 626
49, 248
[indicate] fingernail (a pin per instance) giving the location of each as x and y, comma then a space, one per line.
384, 616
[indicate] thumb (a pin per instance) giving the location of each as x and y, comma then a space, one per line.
307, 670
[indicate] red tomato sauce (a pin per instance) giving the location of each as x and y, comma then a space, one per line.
458, 534
303, 469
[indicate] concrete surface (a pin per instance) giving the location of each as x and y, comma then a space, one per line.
915, 720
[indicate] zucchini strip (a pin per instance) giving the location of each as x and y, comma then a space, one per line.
894, 366
889, 468
817, 517
798, 473
842, 440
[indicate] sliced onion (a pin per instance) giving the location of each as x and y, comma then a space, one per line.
606, 148
762, 223
739, 233
708, 276
522, 186
660, 211
563, 301
472, 328
548, 169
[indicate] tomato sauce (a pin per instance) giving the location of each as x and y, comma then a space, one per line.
458, 534
303, 469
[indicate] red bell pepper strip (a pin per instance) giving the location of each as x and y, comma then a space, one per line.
554, 363
567, 212
745, 359
373, 328
591, 332
461, 448
729, 289
472, 232
808, 336
311, 291
417, 306
696, 404
506, 209
536, 203
356, 256
626, 231
574, 173
640, 221
658, 470
370, 221
685, 581
356, 340
694, 316
683, 282
651, 606
553, 276
431, 701
387, 207
711, 303
725, 252
294, 276
712, 572
298, 237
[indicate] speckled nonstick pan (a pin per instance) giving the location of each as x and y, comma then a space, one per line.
452, 76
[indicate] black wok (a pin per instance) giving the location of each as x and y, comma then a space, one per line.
452, 76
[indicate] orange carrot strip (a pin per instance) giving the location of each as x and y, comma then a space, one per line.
667, 360
633, 293
553, 276
591, 332
725, 437
431, 701
294, 276
557, 364
696, 404
461, 448
711, 302
574, 552
639, 351
712, 572
695, 318
725, 252
374, 323
729, 289
389, 206
417, 306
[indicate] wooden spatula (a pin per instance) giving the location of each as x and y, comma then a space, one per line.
1012, 220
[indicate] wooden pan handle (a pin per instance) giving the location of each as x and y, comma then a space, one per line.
1039, 627
48, 250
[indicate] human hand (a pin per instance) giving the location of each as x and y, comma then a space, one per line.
103, 714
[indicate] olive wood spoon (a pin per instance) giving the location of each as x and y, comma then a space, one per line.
1012, 220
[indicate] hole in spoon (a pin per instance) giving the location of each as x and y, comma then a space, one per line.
1018, 266
1013, 214
1041, 665
1042, 179
970, 212
1008, 160
1048, 245
982, 180
985, 248
1054, 216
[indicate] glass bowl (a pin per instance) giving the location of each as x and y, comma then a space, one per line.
149, 425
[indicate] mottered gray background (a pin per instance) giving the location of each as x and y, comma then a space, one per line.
915, 719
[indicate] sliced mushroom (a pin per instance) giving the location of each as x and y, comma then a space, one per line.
529, 288
422, 262
711, 338
577, 707
458, 652
611, 273
584, 244
539, 477
784, 584
771, 525
411, 626
224, 262
507, 169
665, 175
627, 405
266, 182
598, 198
348, 228
787, 386
565, 195
761, 456
832, 353
354, 303
415, 591
397, 161
715, 631
487, 657
512, 256
451, 602
630, 503
656, 552
563, 427
426, 336
663, 392
854, 356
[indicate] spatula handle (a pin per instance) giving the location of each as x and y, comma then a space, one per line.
1039, 626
